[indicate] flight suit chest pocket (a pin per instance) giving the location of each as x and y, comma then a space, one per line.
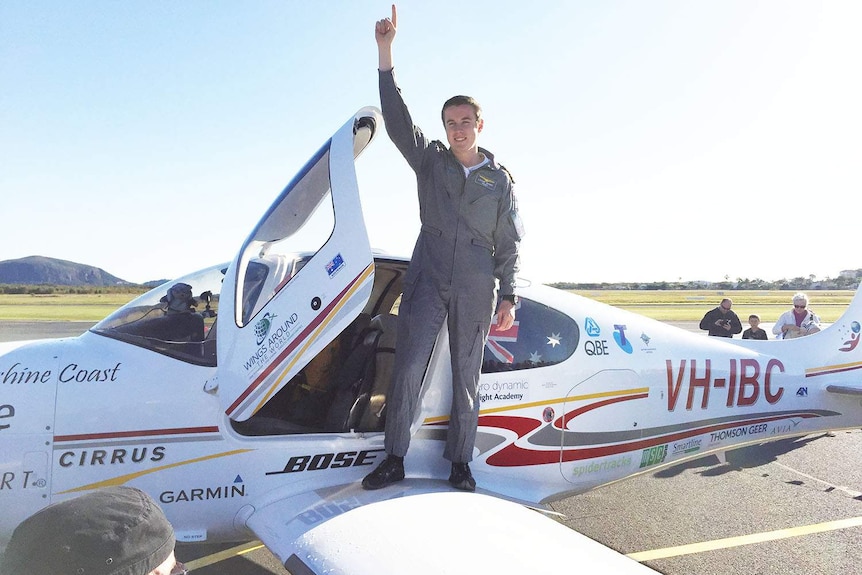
481, 210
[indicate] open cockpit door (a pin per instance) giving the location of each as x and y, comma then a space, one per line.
300, 278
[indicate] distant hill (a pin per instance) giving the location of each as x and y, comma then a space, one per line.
37, 270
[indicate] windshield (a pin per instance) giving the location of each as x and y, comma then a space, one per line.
177, 319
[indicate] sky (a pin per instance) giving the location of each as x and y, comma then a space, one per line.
658, 140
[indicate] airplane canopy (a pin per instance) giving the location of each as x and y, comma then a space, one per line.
302, 275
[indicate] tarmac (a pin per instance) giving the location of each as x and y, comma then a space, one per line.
12, 330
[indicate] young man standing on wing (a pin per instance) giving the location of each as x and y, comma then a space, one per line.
469, 238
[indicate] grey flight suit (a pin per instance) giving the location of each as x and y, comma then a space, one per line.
468, 238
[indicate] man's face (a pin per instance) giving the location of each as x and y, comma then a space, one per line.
170, 567
462, 127
181, 292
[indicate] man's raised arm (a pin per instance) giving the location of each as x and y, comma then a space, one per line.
384, 33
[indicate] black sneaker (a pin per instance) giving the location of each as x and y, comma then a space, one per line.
390, 471
461, 478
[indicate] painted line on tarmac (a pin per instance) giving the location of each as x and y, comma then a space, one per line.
829, 486
745, 539
224, 555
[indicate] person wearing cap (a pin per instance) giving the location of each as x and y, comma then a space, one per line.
111, 531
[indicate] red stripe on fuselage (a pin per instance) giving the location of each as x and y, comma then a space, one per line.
561, 421
133, 434
835, 370
513, 456
520, 425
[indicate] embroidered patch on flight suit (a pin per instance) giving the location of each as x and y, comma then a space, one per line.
485, 181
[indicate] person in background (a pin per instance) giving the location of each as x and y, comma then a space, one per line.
110, 531
797, 321
181, 321
721, 321
754, 332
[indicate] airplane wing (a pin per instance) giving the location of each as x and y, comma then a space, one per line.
426, 530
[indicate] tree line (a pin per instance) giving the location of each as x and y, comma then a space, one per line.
46, 289
846, 281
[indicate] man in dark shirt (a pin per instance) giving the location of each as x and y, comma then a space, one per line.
721, 321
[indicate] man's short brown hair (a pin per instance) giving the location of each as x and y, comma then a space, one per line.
461, 101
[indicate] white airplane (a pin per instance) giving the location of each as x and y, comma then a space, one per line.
256, 416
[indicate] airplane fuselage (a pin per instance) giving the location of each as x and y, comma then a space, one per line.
633, 395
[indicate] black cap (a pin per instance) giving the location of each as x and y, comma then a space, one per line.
111, 531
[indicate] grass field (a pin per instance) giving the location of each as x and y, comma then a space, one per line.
66, 307
675, 305
690, 305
